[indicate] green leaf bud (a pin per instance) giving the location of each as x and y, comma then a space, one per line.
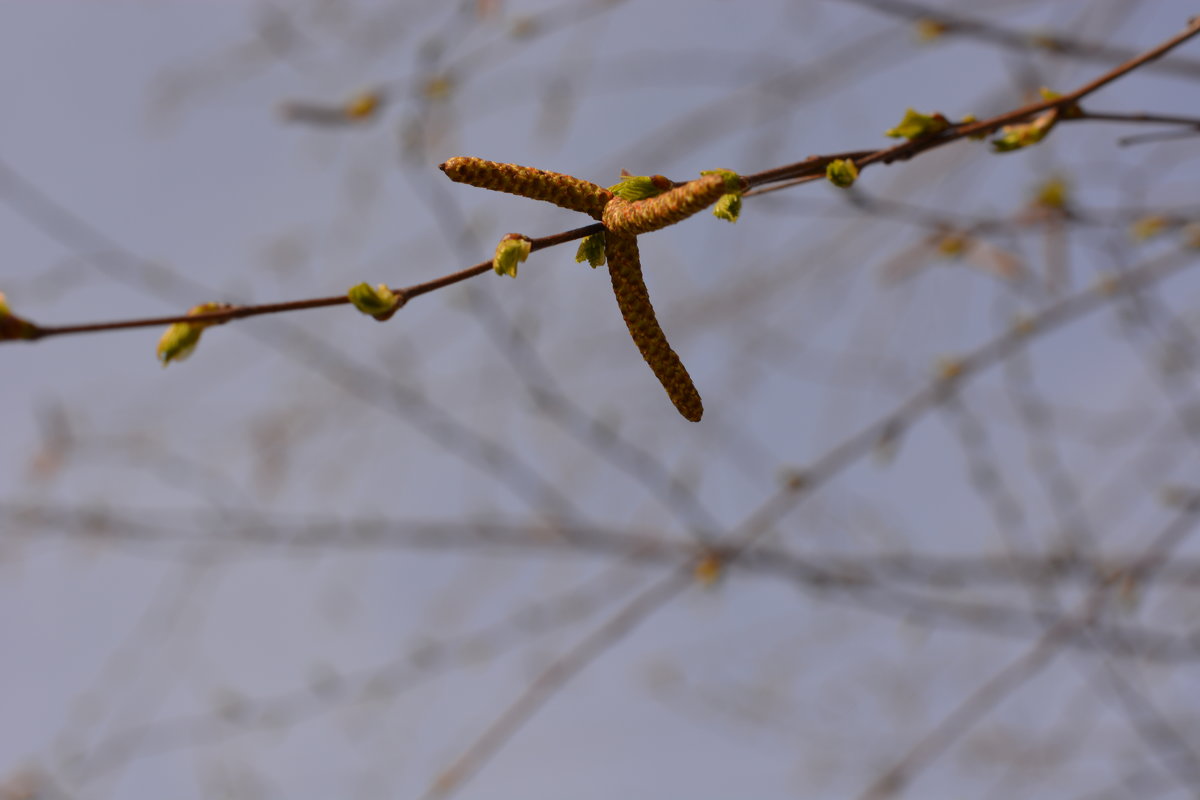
915, 125
842, 172
379, 301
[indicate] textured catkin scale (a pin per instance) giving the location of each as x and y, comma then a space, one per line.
666, 209
552, 187
625, 269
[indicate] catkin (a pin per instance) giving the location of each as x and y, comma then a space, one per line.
625, 269
561, 190
665, 209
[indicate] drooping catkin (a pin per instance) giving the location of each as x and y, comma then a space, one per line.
625, 270
561, 190
670, 207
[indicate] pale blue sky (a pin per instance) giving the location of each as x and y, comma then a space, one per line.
158, 125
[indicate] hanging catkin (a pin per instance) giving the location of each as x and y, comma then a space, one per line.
625, 270
552, 187
653, 206
665, 209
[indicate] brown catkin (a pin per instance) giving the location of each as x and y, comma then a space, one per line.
665, 209
536, 184
625, 269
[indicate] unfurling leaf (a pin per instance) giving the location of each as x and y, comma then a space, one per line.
1017, 137
639, 187
180, 339
379, 301
591, 250
512, 250
842, 172
915, 125
729, 205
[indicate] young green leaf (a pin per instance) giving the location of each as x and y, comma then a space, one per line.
915, 125
512, 250
379, 301
841, 172
591, 250
179, 340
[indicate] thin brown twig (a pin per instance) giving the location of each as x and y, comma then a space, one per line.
1176, 754
800, 172
1158, 136
413, 667
835, 460
554, 677
1121, 116
574, 661
816, 164
1022, 41
1016, 673
239, 312
969, 711
894, 585
242, 525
